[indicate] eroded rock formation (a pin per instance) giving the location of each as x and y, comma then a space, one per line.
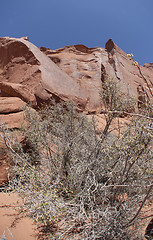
27, 73
35, 76
90, 65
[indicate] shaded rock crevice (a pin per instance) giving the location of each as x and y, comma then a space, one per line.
18, 90
149, 230
110, 47
143, 97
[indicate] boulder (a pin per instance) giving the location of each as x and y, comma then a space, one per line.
13, 120
27, 73
18, 90
11, 105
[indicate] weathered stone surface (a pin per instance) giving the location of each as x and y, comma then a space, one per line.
149, 65
11, 105
84, 65
35, 76
90, 65
27, 73
29, 76
18, 90
131, 77
13, 120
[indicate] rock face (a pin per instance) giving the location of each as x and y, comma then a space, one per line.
84, 65
90, 65
70, 73
27, 73
28, 76
35, 76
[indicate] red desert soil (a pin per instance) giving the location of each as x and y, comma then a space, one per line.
12, 223
16, 227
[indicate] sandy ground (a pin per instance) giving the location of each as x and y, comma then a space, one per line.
17, 227
13, 225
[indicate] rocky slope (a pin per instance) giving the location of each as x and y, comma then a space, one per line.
35, 76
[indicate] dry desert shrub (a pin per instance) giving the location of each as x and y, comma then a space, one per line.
87, 186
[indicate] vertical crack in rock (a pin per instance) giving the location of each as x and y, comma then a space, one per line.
146, 81
143, 97
110, 47
103, 73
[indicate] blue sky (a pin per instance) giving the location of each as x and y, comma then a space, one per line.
57, 23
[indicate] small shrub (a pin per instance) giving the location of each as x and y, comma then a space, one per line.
96, 186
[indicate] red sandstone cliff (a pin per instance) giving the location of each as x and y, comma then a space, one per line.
35, 76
